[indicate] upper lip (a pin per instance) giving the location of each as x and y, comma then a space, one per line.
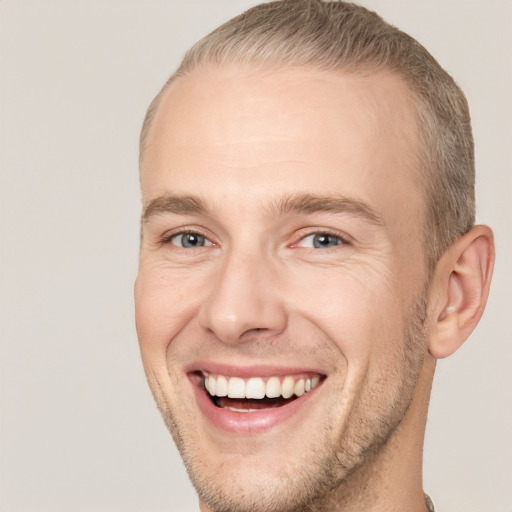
247, 371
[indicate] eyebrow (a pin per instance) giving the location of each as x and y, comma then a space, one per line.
310, 203
179, 205
295, 203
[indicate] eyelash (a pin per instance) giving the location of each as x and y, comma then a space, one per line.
344, 239
166, 239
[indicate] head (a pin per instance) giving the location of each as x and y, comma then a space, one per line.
308, 250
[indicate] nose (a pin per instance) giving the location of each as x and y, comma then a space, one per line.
243, 299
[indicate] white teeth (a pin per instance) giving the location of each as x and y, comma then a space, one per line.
240, 410
273, 387
257, 388
236, 387
222, 386
212, 385
299, 388
287, 387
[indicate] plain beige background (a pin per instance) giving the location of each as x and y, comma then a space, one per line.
79, 431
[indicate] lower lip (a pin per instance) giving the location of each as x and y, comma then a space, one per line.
248, 422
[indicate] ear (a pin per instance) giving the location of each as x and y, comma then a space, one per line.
459, 291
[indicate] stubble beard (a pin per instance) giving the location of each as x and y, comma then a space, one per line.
324, 481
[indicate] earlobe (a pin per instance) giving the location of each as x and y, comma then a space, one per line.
461, 281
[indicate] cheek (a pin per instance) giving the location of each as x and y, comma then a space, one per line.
357, 308
164, 304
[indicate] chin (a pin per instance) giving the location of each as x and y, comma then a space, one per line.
275, 486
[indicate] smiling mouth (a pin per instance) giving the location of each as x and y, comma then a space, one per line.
256, 393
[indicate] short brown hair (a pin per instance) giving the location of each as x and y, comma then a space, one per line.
336, 35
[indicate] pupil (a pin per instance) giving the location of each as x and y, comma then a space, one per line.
192, 240
325, 240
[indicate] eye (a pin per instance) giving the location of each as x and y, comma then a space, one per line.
189, 240
320, 241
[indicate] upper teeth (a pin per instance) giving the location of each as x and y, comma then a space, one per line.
257, 387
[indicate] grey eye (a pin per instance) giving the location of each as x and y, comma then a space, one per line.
189, 240
320, 241
323, 240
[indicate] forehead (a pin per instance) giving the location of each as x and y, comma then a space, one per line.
297, 129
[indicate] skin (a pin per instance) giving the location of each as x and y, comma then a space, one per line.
362, 313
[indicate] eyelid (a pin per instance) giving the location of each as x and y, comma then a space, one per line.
166, 237
169, 235
344, 238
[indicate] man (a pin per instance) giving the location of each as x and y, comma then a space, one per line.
308, 252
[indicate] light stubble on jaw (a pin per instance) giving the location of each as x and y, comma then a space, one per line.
335, 474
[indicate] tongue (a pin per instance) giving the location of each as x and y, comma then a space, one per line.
251, 403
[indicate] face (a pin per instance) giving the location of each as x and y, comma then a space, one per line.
281, 271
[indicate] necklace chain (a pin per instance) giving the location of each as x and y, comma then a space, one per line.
430, 505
